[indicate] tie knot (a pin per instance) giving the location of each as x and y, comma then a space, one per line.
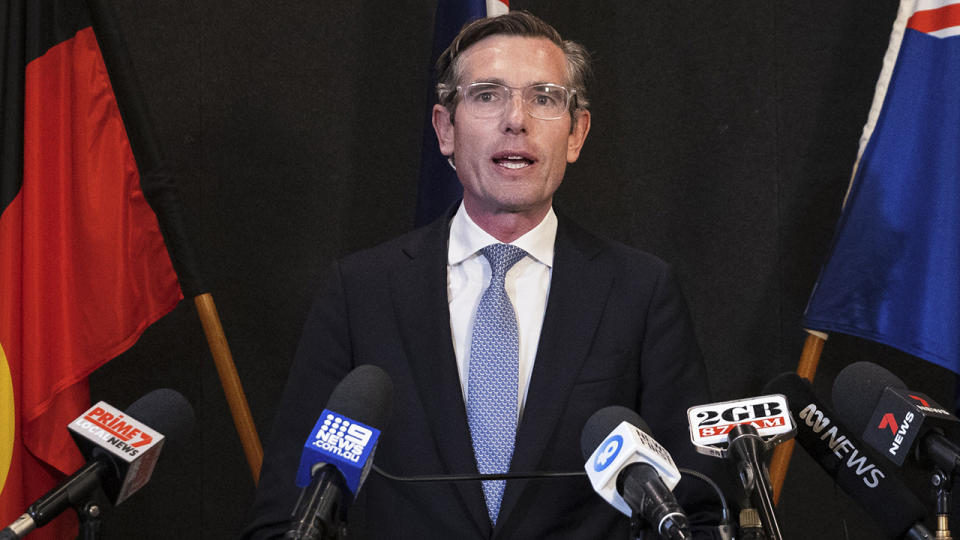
502, 257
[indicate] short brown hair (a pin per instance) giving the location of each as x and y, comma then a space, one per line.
514, 23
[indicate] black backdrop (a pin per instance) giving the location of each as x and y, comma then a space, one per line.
723, 138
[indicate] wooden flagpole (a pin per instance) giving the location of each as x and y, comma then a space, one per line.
806, 368
227, 370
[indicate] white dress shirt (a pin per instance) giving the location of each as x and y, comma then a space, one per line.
527, 284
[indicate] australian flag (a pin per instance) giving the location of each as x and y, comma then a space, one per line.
893, 273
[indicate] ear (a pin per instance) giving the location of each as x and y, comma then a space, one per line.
578, 135
444, 128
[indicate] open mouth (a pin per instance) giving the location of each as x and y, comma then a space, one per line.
512, 161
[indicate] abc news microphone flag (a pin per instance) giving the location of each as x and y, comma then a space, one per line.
893, 274
84, 266
439, 187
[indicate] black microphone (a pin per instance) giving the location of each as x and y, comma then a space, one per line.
854, 466
632, 471
735, 430
894, 420
339, 452
121, 449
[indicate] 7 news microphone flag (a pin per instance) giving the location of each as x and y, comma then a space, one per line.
92, 249
439, 187
893, 273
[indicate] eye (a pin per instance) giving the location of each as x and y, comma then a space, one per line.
544, 99
486, 97
485, 94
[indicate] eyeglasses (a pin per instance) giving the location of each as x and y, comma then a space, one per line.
490, 100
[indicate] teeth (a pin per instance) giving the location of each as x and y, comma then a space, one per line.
513, 164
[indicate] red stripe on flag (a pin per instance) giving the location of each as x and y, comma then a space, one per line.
931, 20
83, 267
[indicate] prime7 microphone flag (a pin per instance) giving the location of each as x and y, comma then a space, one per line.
439, 187
84, 266
893, 273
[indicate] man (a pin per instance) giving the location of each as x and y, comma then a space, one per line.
499, 354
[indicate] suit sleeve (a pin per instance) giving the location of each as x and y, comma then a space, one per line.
674, 378
323, 358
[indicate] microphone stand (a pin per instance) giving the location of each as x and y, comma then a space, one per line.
747, 445
83, 491
943, 485
90, 513
638, 527
321, 514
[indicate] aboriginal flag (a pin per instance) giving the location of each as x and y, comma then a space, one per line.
893, 275
90, 235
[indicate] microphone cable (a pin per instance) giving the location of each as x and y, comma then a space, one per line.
725, 511
475, 477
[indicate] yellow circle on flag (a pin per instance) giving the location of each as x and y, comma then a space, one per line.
7, 419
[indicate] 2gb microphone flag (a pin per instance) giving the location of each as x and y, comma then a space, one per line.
84, 267
893, 273
439, 187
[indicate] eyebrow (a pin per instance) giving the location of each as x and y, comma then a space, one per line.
502, 82
491, 80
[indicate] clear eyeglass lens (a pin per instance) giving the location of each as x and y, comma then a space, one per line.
489, 100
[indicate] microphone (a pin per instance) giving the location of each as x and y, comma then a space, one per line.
894, 420
735, 430
632, 471
121, 449
338, 454
852, 464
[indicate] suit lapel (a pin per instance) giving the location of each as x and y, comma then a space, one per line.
421, 306
578, 291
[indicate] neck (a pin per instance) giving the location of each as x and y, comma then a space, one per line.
507, 226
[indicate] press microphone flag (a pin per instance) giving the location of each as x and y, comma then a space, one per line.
342, 442
711, 424
632, 471
345, 434
853, 465
106, 428
744, 431
121, 449
915, 412
624, 445
339, 452
893, 419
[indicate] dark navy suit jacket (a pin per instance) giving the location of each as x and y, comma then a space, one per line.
616, 332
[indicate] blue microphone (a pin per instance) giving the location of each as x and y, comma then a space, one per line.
338, 454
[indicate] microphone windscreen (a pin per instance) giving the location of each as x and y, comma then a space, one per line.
166, 411
602, 422
364, 395
859, 471
857, 390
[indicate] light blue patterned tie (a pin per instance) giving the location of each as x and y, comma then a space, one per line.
493, 381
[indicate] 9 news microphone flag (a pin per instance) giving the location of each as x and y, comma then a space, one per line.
84, 267
439, 187
893, 273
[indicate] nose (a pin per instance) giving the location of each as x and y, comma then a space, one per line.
515, 115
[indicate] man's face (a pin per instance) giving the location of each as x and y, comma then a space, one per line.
512, 163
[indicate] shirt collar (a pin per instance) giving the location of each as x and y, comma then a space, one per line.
467, 238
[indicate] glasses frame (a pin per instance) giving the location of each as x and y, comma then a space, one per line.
568, 92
